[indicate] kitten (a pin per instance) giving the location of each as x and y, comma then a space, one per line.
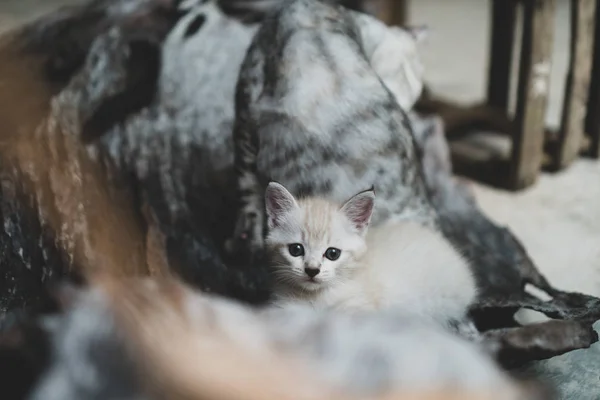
318, 110
322, 253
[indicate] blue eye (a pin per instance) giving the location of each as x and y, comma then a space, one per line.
332, 253
296, 249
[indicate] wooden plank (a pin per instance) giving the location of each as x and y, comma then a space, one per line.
463, 119
593, 107
400, 12
501, 52
578, 81
532, 98
392, 12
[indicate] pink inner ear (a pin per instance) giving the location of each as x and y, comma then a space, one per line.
359, 209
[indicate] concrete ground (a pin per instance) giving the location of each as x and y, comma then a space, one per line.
558, 219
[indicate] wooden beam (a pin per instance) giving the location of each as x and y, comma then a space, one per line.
392, 12
583, 13
593, 107
501, 52
532, 98
400, 12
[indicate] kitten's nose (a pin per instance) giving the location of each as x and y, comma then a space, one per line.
312, 272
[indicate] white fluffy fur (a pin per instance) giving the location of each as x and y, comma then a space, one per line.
397, 265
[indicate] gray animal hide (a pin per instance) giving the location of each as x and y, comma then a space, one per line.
161, 115
317, 111
115, 48
161, 122
574, 376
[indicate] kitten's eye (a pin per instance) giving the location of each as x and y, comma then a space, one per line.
332, 253
296, 249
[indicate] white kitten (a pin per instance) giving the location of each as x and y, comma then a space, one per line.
321, 253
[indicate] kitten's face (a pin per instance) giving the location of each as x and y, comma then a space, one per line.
313, 243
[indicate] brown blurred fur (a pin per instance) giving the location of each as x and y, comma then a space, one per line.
40, 149
183, 360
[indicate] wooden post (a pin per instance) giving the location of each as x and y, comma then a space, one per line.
583, 13
500, 53
536, 51
592, 122
392, 12
400, 12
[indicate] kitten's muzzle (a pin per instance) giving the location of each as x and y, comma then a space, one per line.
312, 272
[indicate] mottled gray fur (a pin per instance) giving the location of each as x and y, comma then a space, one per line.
313, 114
190, 123
89, 360
191, 119
364, 354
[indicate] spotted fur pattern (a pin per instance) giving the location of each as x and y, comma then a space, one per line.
314, 114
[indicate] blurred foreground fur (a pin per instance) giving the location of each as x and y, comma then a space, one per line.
147, 339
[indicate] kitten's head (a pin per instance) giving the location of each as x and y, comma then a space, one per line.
312, 242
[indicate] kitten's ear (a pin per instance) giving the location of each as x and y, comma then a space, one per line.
278, 203
359, 209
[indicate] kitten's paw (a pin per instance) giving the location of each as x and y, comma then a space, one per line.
247, 242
